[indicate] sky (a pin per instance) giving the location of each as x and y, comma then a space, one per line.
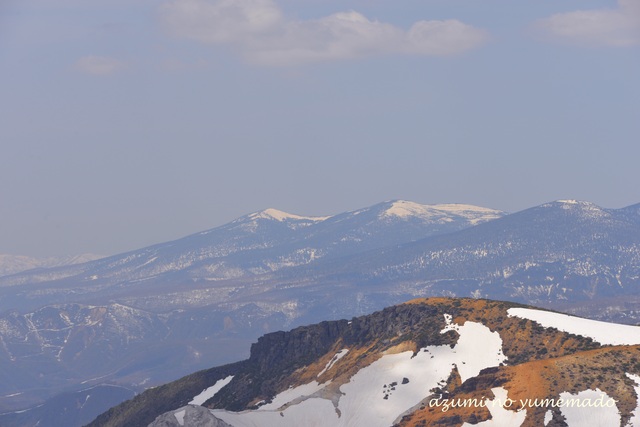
131, 122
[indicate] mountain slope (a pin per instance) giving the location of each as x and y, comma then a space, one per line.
554, 254
13, 264
258, 243
396, 367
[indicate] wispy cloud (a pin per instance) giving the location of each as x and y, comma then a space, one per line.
259, 31
597, 27
99, 65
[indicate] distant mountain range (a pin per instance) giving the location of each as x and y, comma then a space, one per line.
12, 264
157, 313
559, 254
430, 362
258, 243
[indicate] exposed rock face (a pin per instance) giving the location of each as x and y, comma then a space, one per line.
278, 355
191, 416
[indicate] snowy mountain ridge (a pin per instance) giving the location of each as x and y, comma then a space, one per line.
278, 215
441, 212
239, 248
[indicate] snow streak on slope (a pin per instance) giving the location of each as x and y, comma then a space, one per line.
381, 392
209, 392
603, 332
339, 355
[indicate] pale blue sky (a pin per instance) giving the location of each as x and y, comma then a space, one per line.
126, 123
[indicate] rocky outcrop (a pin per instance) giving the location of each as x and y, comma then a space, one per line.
276, 356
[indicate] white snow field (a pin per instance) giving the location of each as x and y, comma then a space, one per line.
590, 416
380, 393
603, 332
292, 394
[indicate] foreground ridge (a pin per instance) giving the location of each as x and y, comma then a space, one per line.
428, 362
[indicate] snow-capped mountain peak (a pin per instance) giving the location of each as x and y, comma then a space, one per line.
572, 203
404, 209
586, 210
440, 212
278, 215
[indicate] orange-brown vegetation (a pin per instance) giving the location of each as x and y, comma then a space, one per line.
543, 363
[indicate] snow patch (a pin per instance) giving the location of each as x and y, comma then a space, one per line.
591, 416
209, 392
548, 416
603, 332
474, 336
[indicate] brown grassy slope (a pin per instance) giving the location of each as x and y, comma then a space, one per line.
523, 340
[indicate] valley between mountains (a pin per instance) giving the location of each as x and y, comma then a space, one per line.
77, 339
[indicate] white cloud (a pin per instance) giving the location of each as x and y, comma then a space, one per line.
99, 65
222, 21
598, 27
259, 30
